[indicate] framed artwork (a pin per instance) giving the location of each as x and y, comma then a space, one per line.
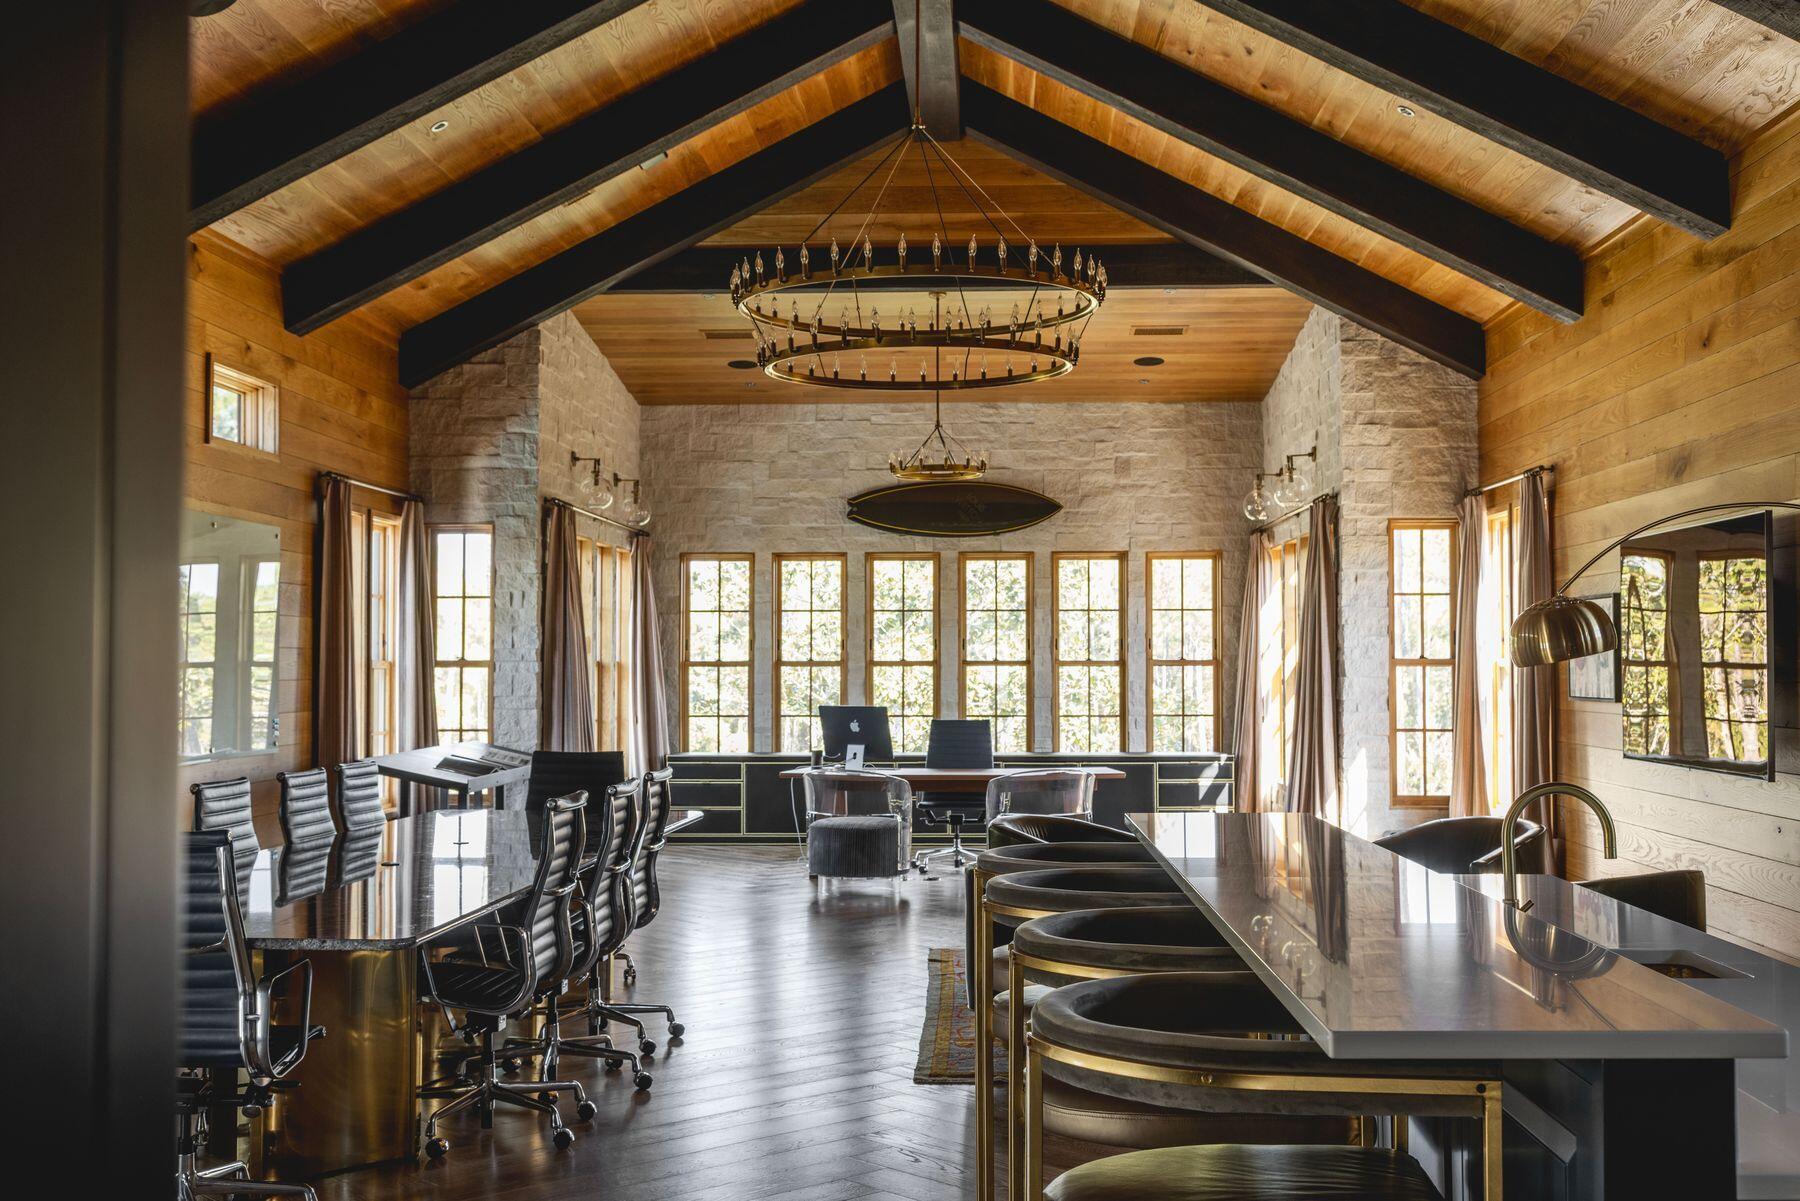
1596, 677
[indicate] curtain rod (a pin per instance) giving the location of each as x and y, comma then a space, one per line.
1540, 469
356, 483
1272, 522
601, 517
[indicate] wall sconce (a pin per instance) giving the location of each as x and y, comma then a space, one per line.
596, 487
1295, 485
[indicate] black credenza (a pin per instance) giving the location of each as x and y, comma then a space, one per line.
744, 798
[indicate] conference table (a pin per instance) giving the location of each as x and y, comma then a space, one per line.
359, 911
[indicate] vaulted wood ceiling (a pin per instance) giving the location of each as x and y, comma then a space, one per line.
1345, 153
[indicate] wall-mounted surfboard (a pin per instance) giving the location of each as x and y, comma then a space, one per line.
951, 510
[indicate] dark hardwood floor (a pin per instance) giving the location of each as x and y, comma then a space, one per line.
794, 1083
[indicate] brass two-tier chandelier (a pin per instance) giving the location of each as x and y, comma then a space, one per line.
946, 316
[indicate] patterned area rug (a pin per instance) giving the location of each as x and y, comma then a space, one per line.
947, 1043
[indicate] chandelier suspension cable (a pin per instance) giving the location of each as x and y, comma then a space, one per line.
898, 153
954, 168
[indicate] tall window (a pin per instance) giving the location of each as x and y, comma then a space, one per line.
996, 640
377, 538
1090, 652
464, 568
903, 645
199, 655
606, 619
1183, 633
262, 600
1421, 577
1497, 609
1278, 665
1645, 653
716, 594
809, 646
1734, 655
240, 408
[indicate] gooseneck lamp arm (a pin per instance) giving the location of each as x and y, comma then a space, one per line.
1564, 627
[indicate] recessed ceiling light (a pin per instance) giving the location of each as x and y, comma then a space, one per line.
740, 364
439, 126
1148, 360
1143, 381
1168, 291
1405, 110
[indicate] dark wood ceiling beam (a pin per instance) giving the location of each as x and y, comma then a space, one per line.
1596, 141
1287, 153
251, 149
1783, 16
927, 31
1132, 265
577, 158
1213, 225
698, 211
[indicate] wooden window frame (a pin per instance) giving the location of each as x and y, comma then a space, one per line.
260, 420
1673, 713
1272, 779
1057, 558
1501, 520
936, 662
1151, 662
748, 664
962, 635
842, 662
465, 528
1397, 799
1707, 665
248, 663
364, 523
185, 665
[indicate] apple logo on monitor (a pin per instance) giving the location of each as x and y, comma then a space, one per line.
855, 726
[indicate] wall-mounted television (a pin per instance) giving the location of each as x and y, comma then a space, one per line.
1709, 676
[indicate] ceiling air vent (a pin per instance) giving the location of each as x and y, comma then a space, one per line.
1158, 331
726, 335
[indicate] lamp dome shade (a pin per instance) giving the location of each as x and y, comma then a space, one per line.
1563, 627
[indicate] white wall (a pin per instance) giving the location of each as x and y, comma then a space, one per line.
1132, 477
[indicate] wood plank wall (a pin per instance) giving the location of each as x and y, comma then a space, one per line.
1680, 387
342, 409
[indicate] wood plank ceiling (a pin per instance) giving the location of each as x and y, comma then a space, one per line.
1697, 68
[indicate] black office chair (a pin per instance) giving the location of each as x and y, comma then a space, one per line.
562, 773
305, 807
530, 955
303, 869
645, 898
599, 923
225, 805
1461, 845
227, 1022
955, 743
359, 804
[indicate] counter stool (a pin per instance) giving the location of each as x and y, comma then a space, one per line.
1009, 891
1145, 1039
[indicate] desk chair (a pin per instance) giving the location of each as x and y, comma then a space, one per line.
858, 824
955, 743
225, 805
1461, 845
359, 804
644, 897
305, 807
529, 957
227, 1022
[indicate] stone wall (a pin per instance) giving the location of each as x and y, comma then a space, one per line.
1132, 477
1397, 438
489, 439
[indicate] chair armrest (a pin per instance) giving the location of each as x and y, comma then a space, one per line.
263, 1021
520, 939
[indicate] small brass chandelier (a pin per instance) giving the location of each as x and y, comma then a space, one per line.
924, 465
848, 317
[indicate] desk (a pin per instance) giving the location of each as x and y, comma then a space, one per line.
958, 779
420, 767
357, 1101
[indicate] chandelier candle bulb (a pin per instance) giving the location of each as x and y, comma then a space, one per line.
902, 249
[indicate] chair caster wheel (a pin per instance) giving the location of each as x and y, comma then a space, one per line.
641, 1081
676, 1030
585, 1111
646, 1047
510, 1064
563, 1137
437, 1148
612, 1068
547, 1098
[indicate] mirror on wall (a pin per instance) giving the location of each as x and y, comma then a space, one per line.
1706, 636
230, 613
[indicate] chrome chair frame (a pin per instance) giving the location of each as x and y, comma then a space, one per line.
649, 841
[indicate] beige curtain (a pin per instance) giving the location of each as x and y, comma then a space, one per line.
1468, 784
1313, 766
415, 649
566, 701
1246, 729
1534, 688
649, 703
335, 721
